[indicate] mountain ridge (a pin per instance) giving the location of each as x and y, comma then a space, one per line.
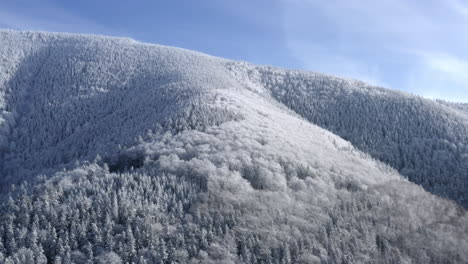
160, 155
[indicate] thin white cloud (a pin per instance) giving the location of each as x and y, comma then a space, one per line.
371, 39
449, 65
458, 6
320, 59
440, 76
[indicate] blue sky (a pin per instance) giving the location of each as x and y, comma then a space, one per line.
419, 46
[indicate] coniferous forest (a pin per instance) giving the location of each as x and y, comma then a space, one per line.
115, 151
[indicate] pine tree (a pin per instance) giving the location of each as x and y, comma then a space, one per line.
130, 244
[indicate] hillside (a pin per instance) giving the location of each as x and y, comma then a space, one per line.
425, 140
132, 152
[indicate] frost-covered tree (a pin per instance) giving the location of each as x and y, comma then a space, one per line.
124, 152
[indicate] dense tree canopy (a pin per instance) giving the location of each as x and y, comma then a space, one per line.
124, 152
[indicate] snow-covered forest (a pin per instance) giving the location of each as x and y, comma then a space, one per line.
115, 151
425, 140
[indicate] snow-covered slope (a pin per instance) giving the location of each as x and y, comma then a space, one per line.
425, 140
155, 154
70, 98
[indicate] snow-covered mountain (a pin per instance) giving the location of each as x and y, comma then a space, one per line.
132, 152
425, 140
